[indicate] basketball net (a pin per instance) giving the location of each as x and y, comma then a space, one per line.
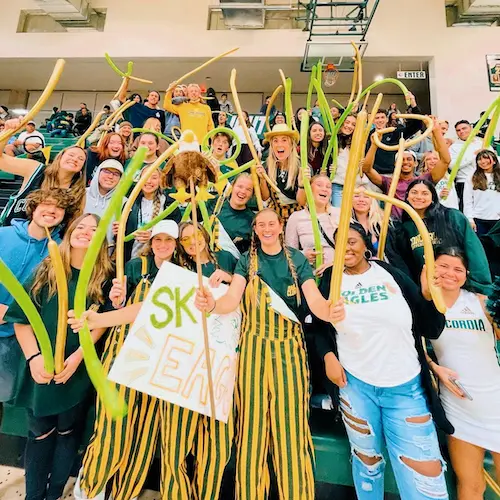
330, 75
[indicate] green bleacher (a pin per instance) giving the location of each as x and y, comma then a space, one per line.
331, 445
330, 441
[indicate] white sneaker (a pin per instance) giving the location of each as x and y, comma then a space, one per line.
80, 495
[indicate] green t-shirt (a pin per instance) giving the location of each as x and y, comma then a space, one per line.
225, 261
237, 223
133, 271
274, 271
50, 399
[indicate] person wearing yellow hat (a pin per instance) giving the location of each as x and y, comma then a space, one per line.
283, 168
121, 451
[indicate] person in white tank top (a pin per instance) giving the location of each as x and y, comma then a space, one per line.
466, 352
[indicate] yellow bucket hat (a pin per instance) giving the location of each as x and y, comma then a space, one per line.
282, 129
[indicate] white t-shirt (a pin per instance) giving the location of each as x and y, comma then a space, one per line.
375, 341
452, 200
24, 135
482, 204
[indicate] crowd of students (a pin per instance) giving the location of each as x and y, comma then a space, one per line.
366, 351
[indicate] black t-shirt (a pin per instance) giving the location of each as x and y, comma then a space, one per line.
139, 113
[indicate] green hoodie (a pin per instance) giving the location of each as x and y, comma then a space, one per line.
405, 249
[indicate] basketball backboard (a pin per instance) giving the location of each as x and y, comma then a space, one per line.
340, 53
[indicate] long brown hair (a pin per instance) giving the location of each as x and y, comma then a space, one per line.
479, 177
185, 260
255, 245
51, 179
102, 150
46, 275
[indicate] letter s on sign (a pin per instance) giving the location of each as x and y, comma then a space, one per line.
162, 305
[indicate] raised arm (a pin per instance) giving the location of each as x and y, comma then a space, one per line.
167, 103
439, 171
412, 126
23, 167
368, 163
104, 320
122, 96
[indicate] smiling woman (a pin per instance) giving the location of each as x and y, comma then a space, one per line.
268, 284
232, 228
112, 147
446, 226
65, 172
55, 403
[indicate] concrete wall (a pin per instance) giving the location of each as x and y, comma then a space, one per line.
403, 29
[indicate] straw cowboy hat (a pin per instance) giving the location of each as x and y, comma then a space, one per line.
281, 129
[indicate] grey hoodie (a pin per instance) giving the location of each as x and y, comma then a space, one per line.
96, 203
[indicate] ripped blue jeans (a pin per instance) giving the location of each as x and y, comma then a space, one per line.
398, 418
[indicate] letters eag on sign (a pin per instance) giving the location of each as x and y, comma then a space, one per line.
163, 354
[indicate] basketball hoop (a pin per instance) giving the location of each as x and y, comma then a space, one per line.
330, 75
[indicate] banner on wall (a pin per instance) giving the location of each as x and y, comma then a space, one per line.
493, 64
163, 354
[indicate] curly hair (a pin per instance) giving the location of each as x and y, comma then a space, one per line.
46, 274
479, 177
60, 197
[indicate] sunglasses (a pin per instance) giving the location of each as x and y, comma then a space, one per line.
187, 241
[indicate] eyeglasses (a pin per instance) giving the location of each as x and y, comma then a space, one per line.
187, 241
114, 173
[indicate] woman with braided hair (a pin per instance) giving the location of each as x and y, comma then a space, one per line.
183, 432
150, 202
273, 375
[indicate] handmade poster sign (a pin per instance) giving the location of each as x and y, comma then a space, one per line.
163, 354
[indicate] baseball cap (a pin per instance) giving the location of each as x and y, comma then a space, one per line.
31, 122
114, 164
169, 227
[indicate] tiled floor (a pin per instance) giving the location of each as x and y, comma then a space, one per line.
12, 486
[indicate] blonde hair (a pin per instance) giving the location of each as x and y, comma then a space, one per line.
157, 196
375, 216
253, 257
77, 188
150, 123
292, 165
102, 271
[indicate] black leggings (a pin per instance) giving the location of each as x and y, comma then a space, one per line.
51, 450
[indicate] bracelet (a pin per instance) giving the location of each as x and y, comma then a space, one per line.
301, 187
28, 361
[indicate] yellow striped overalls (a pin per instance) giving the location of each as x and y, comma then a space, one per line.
122, 450
272, 402
284, 211
185, 432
